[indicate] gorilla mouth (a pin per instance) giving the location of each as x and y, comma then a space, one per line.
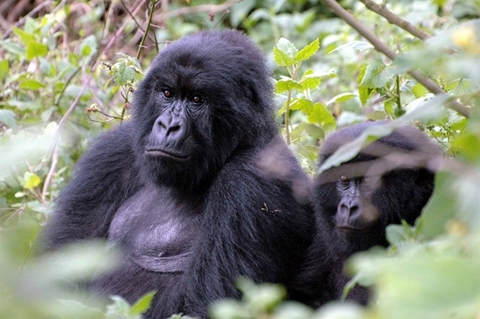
157, 152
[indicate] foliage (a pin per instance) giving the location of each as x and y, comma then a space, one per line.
69, 72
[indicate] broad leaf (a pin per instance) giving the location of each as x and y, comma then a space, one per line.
307, 51
281, 58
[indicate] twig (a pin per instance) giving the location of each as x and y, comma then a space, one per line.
381, 47
152, 5
154, 38
382, 10
49, 177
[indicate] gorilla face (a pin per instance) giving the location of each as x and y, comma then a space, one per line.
387, 182
190, 113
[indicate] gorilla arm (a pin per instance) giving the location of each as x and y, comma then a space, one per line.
103, 179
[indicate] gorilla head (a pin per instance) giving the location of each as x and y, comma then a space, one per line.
388, 181
204, 96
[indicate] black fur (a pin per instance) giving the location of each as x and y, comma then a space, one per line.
197, 189
353, 212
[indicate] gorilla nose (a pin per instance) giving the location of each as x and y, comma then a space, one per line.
172, 129
349, 208
168, 129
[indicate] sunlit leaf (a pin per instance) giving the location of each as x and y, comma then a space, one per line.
88, 46
25, 37
143, 304
342, 97
305, 105
29, 84
31, 180
419, 90
35, 49
281, 58
307, 51
286, 84
320, 114
361, 46
374, 77
4, 70
287, 47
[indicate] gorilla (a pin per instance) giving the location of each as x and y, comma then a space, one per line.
198, 188
389, 181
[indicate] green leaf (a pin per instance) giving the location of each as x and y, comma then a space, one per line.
7, 117
31, 180
12, 47
375, 77
4, 70
425, 109
310, 82
419, 90
124, 74
361, 46
25, 37
35, 49
286, 84
307, 51
287, 47
119, 307
281, 58
143, 304
377, 115
88, 46
314, 131
363, 91
425, 282
321, 115
442, 207
29, 84
343, 97
305, 105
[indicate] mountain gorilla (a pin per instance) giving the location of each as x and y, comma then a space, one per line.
389, 180
197, 189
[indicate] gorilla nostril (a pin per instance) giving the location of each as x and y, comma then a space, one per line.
173, 129
353, 210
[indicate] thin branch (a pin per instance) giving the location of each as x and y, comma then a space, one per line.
381, 47
382, 10
151, 6
154, 38
49, 177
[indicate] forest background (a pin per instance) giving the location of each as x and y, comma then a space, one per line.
68, 71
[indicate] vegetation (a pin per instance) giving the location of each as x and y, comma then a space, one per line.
68, 71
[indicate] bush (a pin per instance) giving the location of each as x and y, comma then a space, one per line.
63, 81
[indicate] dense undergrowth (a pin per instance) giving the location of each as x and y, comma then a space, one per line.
68, 71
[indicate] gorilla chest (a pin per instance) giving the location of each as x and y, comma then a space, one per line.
155, 230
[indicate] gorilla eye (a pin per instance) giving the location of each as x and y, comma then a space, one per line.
167, 93
343, 178
197, 99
